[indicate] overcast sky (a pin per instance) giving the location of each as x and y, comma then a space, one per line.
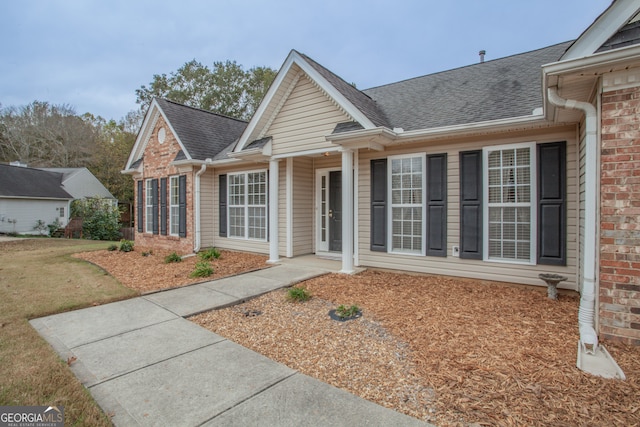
93, 55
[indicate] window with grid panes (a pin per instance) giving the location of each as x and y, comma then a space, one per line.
247, 205
509, 203
407, 209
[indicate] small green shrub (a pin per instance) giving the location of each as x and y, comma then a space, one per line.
343, 311
298, 294
203, 269
209, 254
54, 226
126, 245
172, 257
147, 253
112, 247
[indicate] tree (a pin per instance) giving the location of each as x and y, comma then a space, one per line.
110, 155
226, 88
43, 134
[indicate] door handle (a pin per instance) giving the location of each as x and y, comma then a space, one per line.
330, 213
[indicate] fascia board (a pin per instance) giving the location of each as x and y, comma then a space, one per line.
184, 149
332, 92
605, 26
604, 59
295, 58
145, 133
142, 135
268, 98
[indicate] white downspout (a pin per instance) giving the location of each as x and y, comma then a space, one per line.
196, 207
588, 335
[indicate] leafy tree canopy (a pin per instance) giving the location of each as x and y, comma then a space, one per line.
226, 88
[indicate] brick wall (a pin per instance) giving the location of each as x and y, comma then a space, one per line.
620, 214
157, 164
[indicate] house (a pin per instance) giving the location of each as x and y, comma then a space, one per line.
82, 184
28, 195
500, 170
31, 194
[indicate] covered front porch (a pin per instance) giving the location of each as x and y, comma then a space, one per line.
316, 212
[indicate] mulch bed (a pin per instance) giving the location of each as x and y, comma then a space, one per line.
451, 351
150, 273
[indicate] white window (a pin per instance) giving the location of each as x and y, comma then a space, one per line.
174, 206
149, 206
247, 216
406, 187
61, 212
509, 211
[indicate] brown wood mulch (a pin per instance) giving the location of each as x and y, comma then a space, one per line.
147, 273
454, 352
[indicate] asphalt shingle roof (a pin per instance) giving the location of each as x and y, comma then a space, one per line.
359, 99
498, 89
17, 181
204, 134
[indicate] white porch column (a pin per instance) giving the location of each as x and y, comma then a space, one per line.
347, 212
273, 211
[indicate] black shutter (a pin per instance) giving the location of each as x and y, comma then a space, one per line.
154, 198
379, 205
140, 207
552, 196
437, 205
163, 206
222, 206
182, 207
471, 204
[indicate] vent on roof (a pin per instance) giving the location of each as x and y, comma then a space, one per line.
482, 53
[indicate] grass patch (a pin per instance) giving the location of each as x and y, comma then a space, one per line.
39, 277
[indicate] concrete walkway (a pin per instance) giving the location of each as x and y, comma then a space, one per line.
145, 364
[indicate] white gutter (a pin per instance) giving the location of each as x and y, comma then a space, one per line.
196, 207
588, 335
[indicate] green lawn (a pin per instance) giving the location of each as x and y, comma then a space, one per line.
39, 277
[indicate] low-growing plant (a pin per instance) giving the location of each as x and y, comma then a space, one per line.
343, 311
298, 294
147, 253
209, 254
203, 269
126, 245
112, 247
172, 257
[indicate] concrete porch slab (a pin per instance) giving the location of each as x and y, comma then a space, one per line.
190, 389
303, 401
111, 357
79, 327
190, 299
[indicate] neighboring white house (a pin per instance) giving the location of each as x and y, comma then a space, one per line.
81, 183
29, 195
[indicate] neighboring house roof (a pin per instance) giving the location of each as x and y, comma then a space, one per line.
23, 182
498, 89
81, 183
